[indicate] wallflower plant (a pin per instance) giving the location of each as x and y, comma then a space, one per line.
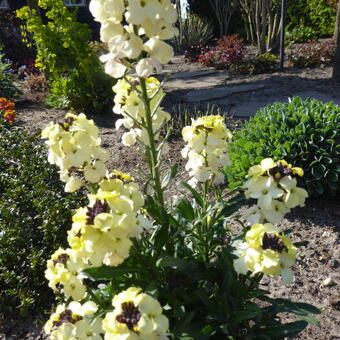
139, 267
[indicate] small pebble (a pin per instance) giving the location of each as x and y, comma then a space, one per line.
328, 282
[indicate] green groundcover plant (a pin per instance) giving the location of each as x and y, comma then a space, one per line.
74, 73
35, 213
150, 265
304, 132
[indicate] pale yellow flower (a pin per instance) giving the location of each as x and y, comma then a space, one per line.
136, 315
266, 250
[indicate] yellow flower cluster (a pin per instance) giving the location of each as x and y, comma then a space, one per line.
72, 323
100, 234
267, 251
129, 105
101, 231
207, 139
274, 186
63, 274
136, 316
147, 24
74, 146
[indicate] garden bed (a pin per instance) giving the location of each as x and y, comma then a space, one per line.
317, 276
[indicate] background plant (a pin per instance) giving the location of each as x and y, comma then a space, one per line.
262, 19
8, 86
192, 31
35, 214
11, 39
74, 73
317, 15
314, 54
304, 132
229, 50
194, 52
36, 83
25, 68
300, 35
262, 63
224, 10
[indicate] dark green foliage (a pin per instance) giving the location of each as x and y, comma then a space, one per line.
205, 298
300, 35
262, 63
7, 80
192, 31
204, 10
319, 15
35, 214
304, 133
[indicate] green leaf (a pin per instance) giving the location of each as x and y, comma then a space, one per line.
194, 193
169, 176
303, 310
291, 328
232, 206
208, 330
318, 171
177, 263
317, 187
185, 209
240, 316
106, 272
152, 208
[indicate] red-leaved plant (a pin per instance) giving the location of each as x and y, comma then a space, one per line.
314, 53
229, 50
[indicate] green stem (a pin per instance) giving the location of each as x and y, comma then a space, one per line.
154, 167
153, 160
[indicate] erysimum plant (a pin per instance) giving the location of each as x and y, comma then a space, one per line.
138, 267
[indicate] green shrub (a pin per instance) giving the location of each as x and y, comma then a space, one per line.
300, 35
7, 80
319, 15
35, 214
192, 31
262, 63
74, 72
305, 133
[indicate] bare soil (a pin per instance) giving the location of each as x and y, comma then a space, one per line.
318, 222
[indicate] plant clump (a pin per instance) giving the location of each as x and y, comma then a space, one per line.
35, 214
8, 81
303, 132
229, 50
74, 74
194, 52
146, 267
313, 54
263, 63
192, 31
